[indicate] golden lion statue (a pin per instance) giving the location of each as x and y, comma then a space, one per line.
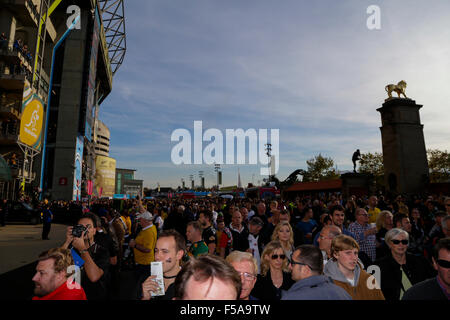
399, 88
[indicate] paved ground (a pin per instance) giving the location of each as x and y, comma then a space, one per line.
21, 244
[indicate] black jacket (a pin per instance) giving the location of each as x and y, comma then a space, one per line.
425, 290
416, 268
240, 240
265, 290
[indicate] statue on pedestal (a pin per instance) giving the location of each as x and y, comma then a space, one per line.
356, 157
399, 88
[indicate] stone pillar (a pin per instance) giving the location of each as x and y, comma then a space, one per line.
404, 152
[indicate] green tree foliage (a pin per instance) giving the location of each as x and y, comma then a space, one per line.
439, 165
320, 168
371, 163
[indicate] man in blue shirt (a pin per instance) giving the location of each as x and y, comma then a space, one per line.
47, 217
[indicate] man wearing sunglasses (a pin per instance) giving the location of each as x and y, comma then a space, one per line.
400, 269
437, 288
306, 266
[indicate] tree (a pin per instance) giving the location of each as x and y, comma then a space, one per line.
439, 165
320, 168
372, 163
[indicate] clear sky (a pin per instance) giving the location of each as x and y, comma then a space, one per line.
311, 69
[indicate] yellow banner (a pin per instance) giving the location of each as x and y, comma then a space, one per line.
105, 176
31, 120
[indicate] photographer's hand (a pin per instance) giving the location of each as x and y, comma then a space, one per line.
78, 243
69, 238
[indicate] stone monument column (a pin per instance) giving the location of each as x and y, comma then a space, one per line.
404, 153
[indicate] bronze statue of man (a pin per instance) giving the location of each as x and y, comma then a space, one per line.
356, 157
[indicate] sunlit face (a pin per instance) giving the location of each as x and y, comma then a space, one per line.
211, 289
236, 219
166, 251
284, 234
46, 280
399, 249
347, 259
277, 263
338, 218
249, 280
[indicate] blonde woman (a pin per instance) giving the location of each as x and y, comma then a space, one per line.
274, 275
283, 232
385, 222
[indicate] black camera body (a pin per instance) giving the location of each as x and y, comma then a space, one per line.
78, 230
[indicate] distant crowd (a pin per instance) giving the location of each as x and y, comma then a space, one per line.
313, 248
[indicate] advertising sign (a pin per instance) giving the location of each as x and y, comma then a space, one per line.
90, 104
32, 119
105, 176
78, 169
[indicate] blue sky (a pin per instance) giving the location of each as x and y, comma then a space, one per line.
311, 69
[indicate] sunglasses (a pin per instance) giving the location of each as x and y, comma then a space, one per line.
276, 256
293, 263
443, 263
405, 242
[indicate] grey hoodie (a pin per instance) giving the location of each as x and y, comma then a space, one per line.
332, 270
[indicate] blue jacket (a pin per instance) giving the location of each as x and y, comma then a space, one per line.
315, 288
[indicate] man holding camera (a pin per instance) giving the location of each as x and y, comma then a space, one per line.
95, 257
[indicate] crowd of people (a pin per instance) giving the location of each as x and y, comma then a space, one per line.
22, 49
213, 248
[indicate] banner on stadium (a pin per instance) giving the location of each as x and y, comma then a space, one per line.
105, 176
31, 120
78, 169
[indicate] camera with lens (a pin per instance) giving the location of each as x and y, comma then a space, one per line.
78, 230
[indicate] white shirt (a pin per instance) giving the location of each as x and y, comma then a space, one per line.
253, 245
351, 281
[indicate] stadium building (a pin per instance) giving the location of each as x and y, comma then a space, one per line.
57, 63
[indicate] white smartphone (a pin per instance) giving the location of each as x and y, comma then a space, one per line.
157, 270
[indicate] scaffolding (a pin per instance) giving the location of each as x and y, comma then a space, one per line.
113, 16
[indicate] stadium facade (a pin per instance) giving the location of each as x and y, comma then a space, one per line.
57, 63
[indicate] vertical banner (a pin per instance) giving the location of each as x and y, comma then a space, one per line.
31, 120
78, 169
90, 104
105, 176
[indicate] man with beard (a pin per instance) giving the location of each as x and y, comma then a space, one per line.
52, 277
209, 233
170, 249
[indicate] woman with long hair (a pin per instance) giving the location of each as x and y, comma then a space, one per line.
274, 275
283, 232
384, 223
